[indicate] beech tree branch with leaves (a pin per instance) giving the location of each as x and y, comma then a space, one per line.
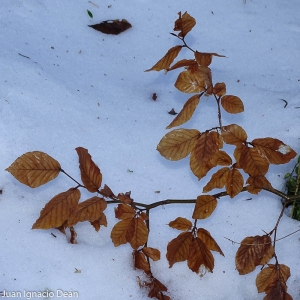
194, 244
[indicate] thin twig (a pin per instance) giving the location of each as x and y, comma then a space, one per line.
286, 103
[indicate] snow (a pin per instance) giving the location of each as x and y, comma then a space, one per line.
65, 85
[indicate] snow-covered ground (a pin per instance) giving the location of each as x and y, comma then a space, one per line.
64, 85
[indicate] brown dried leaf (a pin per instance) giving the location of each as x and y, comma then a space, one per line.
193, 82
257, 183
165, 62
219, 89
57, 210
184, 24
200, 168
205, 205
172, 112
88, 210
234, 183
206, 146
112, 26
178, 143
137, 233
186, 112
156, 289
73, 235
275, 150
125, 198
252, 161
200, 255
203, 157
153, 253
223, 159
181, 224
34, 168
178, 249
217, 137
203, 59
140, 261
89, 171
144, 216
191, 63
278, 291
268, 276
234, 135
107, 192
253, 251
101, 221
232, 104
217, 180
208, 240
118, 233
124, 211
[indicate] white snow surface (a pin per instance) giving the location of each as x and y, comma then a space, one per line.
79, 87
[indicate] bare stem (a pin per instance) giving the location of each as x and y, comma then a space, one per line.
219, 111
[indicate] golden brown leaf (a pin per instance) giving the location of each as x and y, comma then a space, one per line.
192, 82
205, 72
101, 221
184, 24
187, 111
118, 233
253, 251
268, 276
153, 253
252, 161
165, 62
181, 224
232, 104
199, 255
217, 138
124, 211
206, 147
223, 159
137, 233
219, 89
202, 157
57, 210
234, 183
275, 150
140, 261
178, 143
234, 135
89, 171
208, 240
178, 249
203, 59
34, 168
217, 180
257, 183
200, 168
205, 205
191, 63
88, 210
